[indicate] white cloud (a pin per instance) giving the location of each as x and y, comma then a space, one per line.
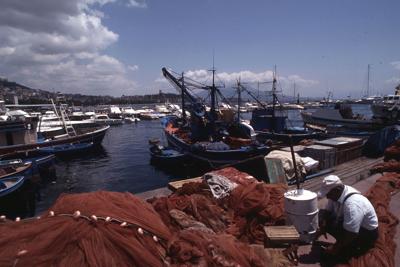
393, 80
396, 64
396, 79
6, 51
137, 3
52, 44
133, 68
245, 76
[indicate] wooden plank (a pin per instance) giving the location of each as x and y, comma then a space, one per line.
349, 172
173, 186
282, 233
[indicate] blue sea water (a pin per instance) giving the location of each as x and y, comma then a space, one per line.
123, 162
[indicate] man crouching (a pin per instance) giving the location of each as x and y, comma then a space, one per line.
349, 217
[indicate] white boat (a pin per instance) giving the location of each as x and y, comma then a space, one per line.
131, 119
150, 116
388, 108
161, 109
103, 119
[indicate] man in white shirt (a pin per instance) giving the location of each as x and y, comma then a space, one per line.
349, 217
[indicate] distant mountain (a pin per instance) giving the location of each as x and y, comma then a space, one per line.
11, 90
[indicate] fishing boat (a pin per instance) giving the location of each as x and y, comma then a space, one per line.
10, 184
270, 121
211, 136
21, 135
66, 149
326, 117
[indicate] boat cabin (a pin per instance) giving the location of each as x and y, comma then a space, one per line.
16, 132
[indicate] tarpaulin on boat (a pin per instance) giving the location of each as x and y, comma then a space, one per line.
379, 141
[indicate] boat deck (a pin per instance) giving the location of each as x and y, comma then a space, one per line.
349, 172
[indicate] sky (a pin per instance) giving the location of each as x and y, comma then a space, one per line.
118, 47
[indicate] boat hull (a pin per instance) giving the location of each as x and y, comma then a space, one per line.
95, 137
285, 137
215, 158
366, 125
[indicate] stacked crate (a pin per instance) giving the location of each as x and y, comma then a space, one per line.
346, 148
297, 149
326, 155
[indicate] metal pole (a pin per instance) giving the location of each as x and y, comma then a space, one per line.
294, 162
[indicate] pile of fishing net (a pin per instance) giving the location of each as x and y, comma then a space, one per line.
88, 229
393, 152
384, 250
243, 211
388, 166
189, 228
391, 160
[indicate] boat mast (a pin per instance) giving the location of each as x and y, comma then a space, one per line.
183, 99
213, 100
274, 98
368, 80
239, 100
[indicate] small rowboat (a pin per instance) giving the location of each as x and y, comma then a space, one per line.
66, 149
9, 185
8, 170
165, 155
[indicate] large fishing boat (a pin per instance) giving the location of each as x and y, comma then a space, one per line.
211, 135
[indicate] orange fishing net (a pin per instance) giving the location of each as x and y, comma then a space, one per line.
62, 240
188, 228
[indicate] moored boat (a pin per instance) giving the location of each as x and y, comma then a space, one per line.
11, 168
10, 184
94, 136
166, 156
66, 149
325, 117
210, 136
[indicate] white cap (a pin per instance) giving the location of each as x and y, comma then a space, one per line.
328, 183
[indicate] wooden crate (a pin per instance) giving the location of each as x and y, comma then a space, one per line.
297, 149
282, 234
347, 148
326, 155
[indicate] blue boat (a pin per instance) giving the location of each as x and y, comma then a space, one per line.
10, 184
11, 168
66, 149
